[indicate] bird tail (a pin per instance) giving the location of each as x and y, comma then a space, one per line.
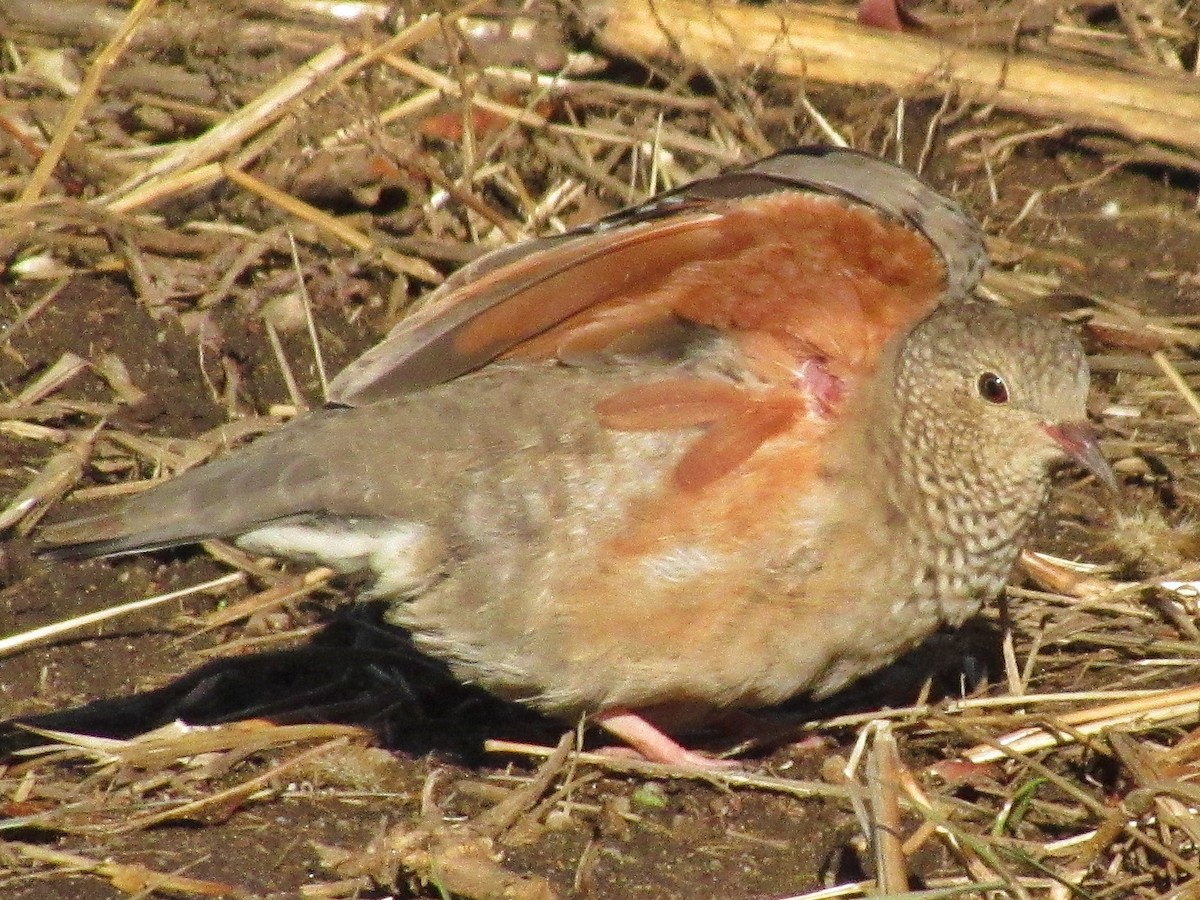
102, 535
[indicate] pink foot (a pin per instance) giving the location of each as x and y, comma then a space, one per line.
653, 745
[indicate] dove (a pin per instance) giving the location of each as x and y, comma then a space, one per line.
749, 440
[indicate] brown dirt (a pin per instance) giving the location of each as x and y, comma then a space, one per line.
622, 836
117, 678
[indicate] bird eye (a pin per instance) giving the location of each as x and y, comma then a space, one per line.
992, 388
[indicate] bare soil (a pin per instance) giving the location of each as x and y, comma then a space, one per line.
1126, 235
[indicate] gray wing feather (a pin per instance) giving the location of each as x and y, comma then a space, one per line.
412, 459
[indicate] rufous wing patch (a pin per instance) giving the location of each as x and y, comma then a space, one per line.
808, 286
810, 298
826, 279
733, 439
832, 281
582, 276
738, 421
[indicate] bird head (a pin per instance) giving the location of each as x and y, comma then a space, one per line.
994, 397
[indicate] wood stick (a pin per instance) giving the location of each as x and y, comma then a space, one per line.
87, 92
727, 37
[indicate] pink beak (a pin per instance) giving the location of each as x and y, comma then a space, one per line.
1078, 440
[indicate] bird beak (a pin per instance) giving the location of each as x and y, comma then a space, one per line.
1078, 440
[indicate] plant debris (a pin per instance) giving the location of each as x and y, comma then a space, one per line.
207, 208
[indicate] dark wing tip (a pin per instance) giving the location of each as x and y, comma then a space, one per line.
72, 552
105, 534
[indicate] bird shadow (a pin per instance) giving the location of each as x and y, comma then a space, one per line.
357, 671
352, 671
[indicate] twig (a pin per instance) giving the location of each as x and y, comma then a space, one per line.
883, 777
790, 786
17, 641
309, 320
129, 878
792, 40
1175, 705
87, 90
56, 478
285, 368
397, 262
1176, 379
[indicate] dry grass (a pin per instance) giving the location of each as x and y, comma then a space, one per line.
365, 159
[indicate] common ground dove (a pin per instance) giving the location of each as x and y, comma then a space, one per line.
749, 440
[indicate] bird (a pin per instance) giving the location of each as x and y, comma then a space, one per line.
752, 439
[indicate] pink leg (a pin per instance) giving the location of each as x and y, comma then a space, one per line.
652, 744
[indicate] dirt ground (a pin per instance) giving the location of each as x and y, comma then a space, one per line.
409, 753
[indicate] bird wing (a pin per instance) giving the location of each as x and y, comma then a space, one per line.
804, 264
807, 262
456, 457
814, 253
